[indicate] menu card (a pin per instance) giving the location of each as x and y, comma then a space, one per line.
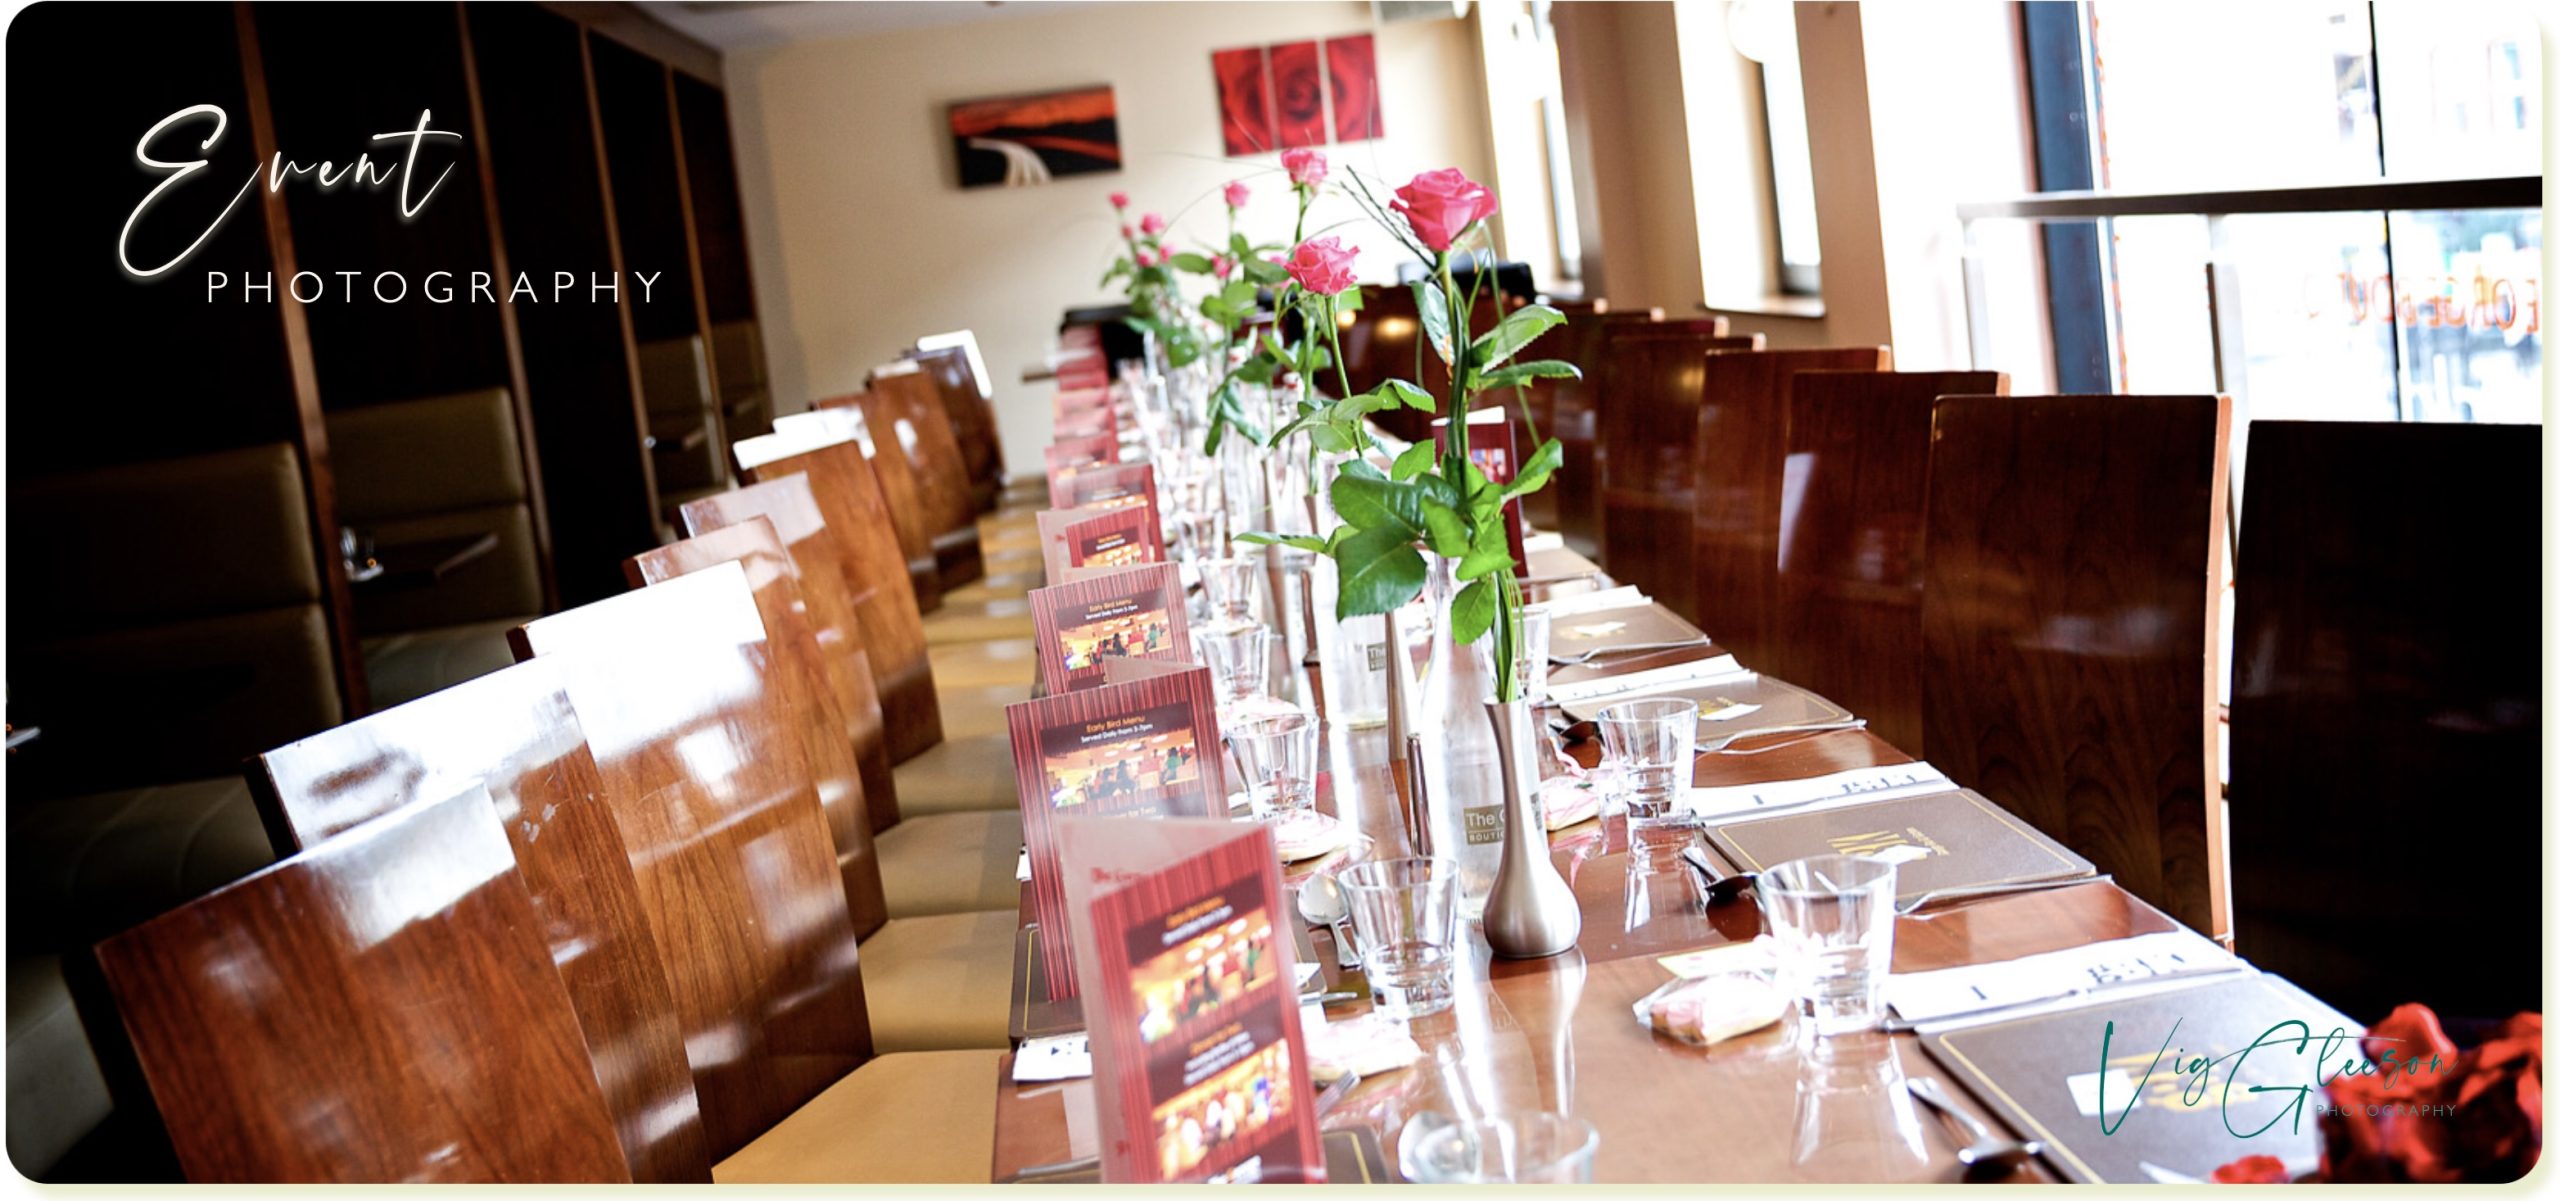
1182, 947
1127, 612
1066, 456
1110, 485
1075, 542
1939, 841
1137, 747
1099, 421
2115, 1090
1494, 450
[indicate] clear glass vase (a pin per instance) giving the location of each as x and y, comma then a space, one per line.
1462, 761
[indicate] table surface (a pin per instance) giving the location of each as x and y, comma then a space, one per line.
1560, 1033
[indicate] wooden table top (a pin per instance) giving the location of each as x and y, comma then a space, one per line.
1560, 1033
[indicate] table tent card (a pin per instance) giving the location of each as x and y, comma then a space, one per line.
1182, 948
1077, 453
1495, 450
1098, 421
1127, 612
1144, 744
1105, 486
1078, 542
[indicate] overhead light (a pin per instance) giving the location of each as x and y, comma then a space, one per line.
1758, 28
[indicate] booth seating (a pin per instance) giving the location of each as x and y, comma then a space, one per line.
745, 393
423, 478
686, 449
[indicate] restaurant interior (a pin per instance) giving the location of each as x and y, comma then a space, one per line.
1947, 578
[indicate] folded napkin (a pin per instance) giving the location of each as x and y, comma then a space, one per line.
1365, 1046
1856, 786
1975, 988
1621, 597
1057, 1057
1644, 683
1569, 800
1538, 542
1709, 1010
1303, 836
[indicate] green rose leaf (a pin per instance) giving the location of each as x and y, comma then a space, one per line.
1471, 613
1518, 328
1300, 541
1434, 308
1263, 271
1490, 552
1415, 460
1348, 301
1534, 473
1519, 373
1239, 295
1445, 531
1331, 439
1362, 469
1411, 397
1380, 571
1378, 504
1197, 264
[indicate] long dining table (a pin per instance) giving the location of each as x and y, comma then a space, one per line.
1560, 1033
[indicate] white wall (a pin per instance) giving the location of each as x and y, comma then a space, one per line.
861, 239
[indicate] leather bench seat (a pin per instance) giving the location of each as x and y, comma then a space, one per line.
403, 667
959, 775
918, 1118
941, 981
951, 862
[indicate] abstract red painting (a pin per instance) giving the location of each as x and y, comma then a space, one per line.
1351, 68
1297, 94
1244, 100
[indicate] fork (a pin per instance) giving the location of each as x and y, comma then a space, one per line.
1596, 652
1717, 746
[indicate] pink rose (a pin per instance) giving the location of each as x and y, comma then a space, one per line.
1144, 256
1322, 265
1153, 223
1221, 266
1119, 200
1237, 194
1306, 167
1441, 205
1127, 233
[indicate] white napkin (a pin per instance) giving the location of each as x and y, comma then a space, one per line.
1365, 1045
1538, 542
1642, 683
1621, 597
1857, 786
1057, 1057
1950, 992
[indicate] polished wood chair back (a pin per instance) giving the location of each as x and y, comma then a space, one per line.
817, 679
908, 513
2388, 658
1570, 343
1741, 440
1846, 622
688, 706
1651, 378
1577, 480
382, 1007
902, 405
972, 416
844, 522
2070, 622
512, 736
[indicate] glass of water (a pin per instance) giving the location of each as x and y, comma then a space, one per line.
1238, 655
1406, 911
1537, 637
1832, 917
1521, 1148
1652, 744
1276, 752
1233, 586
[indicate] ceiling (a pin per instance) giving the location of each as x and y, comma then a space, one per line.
732, 24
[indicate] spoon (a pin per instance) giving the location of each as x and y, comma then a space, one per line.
1989, 1156
1719, 888
1321, 903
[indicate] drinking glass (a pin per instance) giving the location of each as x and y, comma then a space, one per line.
1234, 586
1832, 917
1276, 753
1537, 637
1652, 743
1406, 911
1521, 1148
1238, 654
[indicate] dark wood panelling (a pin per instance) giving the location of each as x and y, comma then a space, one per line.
1577, 422
2069, 613
1741, 441
1847, 617
381, 1008
512, 734
719, 220
2388, 665
648, 199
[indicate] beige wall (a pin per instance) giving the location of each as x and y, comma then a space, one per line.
861, 240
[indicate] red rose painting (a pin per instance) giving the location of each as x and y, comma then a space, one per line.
1297, 94
1244, 100
1351, 67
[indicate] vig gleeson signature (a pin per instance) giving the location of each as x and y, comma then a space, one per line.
2191, 1078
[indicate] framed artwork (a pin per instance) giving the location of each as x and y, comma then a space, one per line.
1244, 99
1018, 141
1297, 95
1351, 71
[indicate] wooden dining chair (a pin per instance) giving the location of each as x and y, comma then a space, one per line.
688, 705
1846, 616
903, 406
901, 495
382, 1007
1576, 422
1568, 343
2070, 628
951, 862
852, 519
1652, 375
1741, 449
2386, 667
511, 737
972, 416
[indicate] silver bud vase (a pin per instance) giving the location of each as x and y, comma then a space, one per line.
1531, 912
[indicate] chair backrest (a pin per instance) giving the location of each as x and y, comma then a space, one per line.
2069, 615
903, 404
382, 1007
1570, 343
843, 521
817, 675
1576, 421
512, 736
972, 415
1741, 440
910, 515
1647, 404
687, 707
187, 627
1847, 617
2388, 658
440, 467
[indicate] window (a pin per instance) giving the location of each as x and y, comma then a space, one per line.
1764, 31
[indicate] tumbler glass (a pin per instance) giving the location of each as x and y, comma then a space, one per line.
1652, 744
1238, 655
1520, 1148
1276, 753
1832, 917
1406, 911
